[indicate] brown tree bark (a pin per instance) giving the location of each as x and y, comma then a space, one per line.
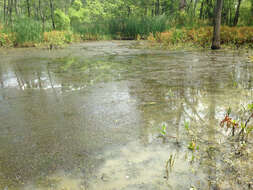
217, 23
237, 13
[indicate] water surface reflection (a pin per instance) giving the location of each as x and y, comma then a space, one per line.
92, 119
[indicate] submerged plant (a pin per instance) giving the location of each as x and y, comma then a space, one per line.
163, 130
169, 165
186, 125
239, 128
192, 145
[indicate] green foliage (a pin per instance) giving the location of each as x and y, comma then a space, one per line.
7, 39
77, 5
240, 128
78, 16
186, 125
128, 19
62, 21
132, 26
163, 130
27, 30
202, 37
192, 146
57, 38
250, 107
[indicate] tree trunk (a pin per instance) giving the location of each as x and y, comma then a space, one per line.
201, 10
128, 11
52, 13
16, 7
217, 23
10, 10
182, 5
157, 7
251, 8
195, 5
42, 17
40, 12
28, 8
237, 13
146, 11
4, 10
189, 6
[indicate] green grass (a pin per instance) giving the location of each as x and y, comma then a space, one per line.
125, 28
27, 30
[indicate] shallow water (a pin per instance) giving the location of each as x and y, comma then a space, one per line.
89, 117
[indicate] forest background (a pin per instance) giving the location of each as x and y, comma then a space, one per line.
57, 22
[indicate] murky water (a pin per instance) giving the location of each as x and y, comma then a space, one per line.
89, 117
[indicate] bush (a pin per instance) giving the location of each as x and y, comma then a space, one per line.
57, 38
133, 26
62, 21
203, 36
7, 40
27, 30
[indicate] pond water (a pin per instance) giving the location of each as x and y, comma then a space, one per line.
113, 116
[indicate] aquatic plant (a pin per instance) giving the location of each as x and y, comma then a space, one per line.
186, 125
192, 145
239, 128
163, 130
169, 165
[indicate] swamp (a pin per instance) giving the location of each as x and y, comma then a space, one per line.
126, 94
113, 115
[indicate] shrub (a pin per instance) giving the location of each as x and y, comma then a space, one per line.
203, 36
131, 27
57, 38
7, 40
27, 30
62, 21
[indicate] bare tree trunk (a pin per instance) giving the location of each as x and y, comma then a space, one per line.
28, 8
42, 17
251, 8
128, 11
52, 13
16, 7
237, 13
195, 6
4, 10
201, 10
157, 7
146, 11
10, 10
182, 5
189, 6
40, 13
217, 23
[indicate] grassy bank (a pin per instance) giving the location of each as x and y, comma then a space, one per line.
26, 32
202, 37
